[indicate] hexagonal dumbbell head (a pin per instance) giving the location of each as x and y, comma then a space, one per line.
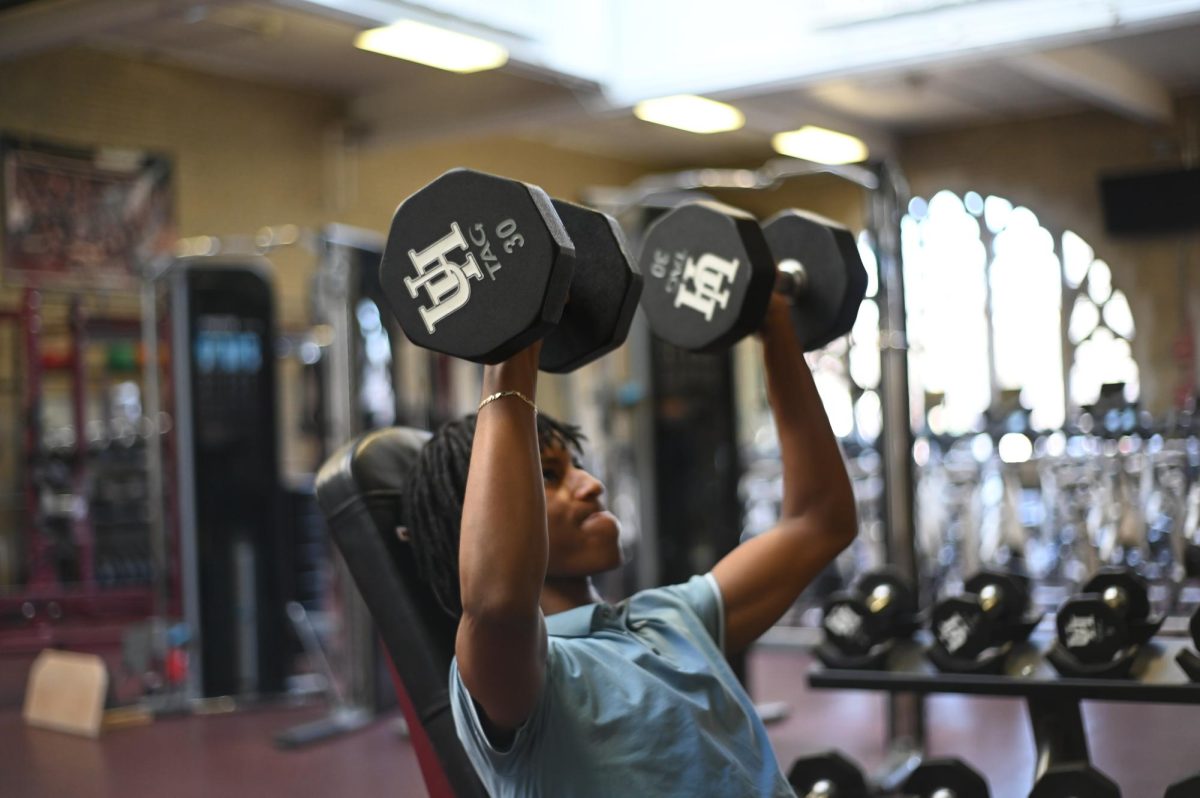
849, 625
603, 296
876, 611
1074, 781
829, 775
709, 276
1090, 630
477, 266
1186, 788
945, 778
1004, 595
1122, 589
961, 628
834, 281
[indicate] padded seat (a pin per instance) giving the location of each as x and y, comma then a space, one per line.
360, 490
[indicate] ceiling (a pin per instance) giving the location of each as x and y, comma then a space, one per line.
1131, 70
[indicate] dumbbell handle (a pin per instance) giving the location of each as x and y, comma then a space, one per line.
1115, 597
990, 597
822, 789
791, 279
880, 598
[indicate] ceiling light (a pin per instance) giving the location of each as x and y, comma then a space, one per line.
820, 145
691, 113
435, 47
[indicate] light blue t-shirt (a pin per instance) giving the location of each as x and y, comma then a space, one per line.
637, 701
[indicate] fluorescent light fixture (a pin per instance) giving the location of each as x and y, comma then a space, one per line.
820, 145
691, 113
435, 47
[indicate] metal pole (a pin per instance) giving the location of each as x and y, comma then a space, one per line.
906, 715
151, 406
335, 293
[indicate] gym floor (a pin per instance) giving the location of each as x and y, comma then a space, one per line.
1144, 747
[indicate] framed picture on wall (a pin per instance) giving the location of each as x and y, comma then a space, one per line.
83, 217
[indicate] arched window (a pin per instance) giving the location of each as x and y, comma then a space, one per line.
988, 292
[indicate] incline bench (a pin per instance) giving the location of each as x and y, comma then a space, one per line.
360, 490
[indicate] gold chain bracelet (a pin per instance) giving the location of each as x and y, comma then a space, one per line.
501, 394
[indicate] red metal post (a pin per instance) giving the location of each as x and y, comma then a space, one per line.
82, 532
41, 572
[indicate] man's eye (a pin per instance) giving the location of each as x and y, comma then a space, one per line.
549, 474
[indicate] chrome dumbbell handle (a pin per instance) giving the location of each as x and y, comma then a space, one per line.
791, 279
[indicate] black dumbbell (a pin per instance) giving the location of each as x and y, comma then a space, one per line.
1107, 617
945, 778
1186, 788
882, 607
827, 775
1074, 781
1188, 660
1194, 628
480, 266
710, 271
991, 611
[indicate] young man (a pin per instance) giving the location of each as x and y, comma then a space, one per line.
556, 693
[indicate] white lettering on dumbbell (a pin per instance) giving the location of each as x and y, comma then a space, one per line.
446, 282
707, 275
953, 632
1081, 630
843, 621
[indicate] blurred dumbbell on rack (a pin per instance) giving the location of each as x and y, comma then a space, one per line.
862, 625
1184, 788
828, 775
1077, 780
974, 632
1190, 660
945, 778
1101, 629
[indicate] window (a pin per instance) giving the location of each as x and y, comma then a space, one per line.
988, 291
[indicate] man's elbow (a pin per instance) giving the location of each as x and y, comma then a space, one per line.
842, 517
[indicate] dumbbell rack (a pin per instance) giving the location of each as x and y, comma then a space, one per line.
1053, 701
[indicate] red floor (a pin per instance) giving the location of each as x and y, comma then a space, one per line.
1143, 747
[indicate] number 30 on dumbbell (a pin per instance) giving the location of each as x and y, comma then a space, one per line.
479, 267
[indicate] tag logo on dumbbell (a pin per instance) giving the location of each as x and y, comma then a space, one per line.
709, 275
447, 283
1081, 630
953, 632
843, 622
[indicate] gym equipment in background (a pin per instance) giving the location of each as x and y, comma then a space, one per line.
1189, 661
830, 774
1184, 788
223, 370
945, 778
974, 632
1068, 781
1101, 629
862, 625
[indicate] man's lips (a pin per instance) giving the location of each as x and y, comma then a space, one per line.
592, 514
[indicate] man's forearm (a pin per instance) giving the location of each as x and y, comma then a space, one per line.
503, 548
814, 475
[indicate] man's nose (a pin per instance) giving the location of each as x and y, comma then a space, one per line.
586, 486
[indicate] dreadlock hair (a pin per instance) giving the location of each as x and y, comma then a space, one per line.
433, 504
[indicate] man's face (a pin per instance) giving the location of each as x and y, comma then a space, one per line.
583, 536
